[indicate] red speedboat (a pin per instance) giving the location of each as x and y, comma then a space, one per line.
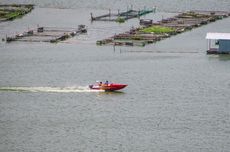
107, 87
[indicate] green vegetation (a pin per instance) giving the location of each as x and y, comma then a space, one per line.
120, 20
12, 15
158, 30
10, 12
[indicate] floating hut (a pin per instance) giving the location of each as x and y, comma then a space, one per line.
146, 22
218, 43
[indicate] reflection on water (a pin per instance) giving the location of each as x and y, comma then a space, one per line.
220, 57
224, 57
113, 92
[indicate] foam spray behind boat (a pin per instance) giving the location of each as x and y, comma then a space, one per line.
73, 89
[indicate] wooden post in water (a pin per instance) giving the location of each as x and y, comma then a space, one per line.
109, 14
114, 47
91, 14
154, 9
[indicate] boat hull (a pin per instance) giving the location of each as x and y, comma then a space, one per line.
109, 87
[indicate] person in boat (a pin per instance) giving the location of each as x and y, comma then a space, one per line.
100, 83
106, 82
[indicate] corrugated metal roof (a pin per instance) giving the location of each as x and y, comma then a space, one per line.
218, 36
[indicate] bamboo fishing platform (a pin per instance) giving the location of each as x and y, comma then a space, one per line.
122, 16
178, 24
13, 11
48, 34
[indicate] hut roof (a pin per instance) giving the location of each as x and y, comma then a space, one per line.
218, 36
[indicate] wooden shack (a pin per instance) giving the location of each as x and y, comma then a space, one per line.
218, 43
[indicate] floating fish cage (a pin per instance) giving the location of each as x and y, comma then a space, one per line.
151, 32
122, 16
48, 34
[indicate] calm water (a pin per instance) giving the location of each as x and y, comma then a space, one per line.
177, 99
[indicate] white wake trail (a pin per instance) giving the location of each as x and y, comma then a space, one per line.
50, 89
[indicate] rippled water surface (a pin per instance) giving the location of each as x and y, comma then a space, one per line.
177, 97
